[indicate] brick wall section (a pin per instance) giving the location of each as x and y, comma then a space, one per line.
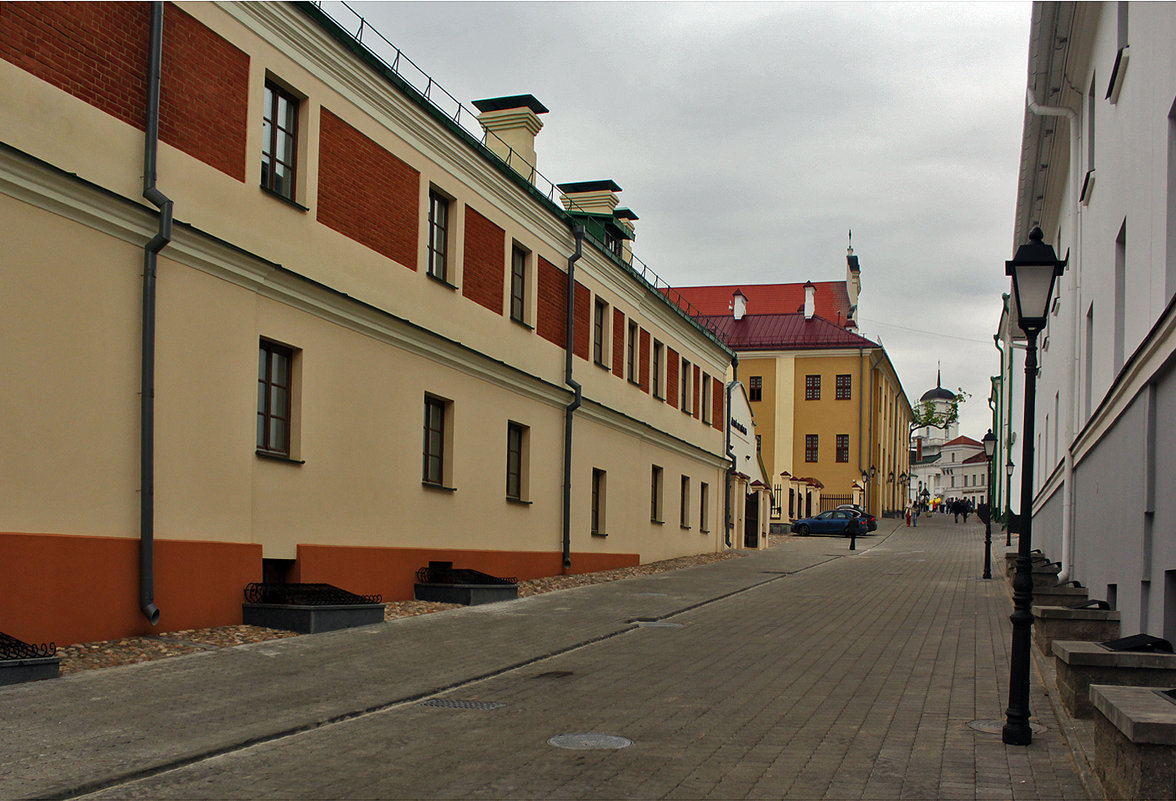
673, 365
582, 310
620, 355
366, 193
96, 52
644, 375
484, 266
204, 94
718, 404
695, 387
551, 302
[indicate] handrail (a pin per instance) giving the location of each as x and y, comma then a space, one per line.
348, 19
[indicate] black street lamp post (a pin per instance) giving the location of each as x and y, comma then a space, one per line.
1033, 269
989, 449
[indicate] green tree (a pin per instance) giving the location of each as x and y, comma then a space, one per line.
925, 414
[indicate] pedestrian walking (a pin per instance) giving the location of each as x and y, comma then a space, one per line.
955, 509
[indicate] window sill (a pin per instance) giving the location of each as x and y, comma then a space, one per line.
278, 457
685, 528
438, 487
635, 383
704, 531
657, 522
440, 280
602, 366
523, 324
518, 501
599, 534
283, 198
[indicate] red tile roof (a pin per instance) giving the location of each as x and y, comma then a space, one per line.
830, 299
783, 332
963, 441
979, 458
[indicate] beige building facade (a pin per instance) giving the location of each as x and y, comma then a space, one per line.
358, 355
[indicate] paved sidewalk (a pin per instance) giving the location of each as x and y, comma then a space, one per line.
800, 672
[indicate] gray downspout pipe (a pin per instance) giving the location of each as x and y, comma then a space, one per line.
147, 370
578, 233
728, 523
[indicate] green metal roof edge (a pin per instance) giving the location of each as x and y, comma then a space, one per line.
323, 20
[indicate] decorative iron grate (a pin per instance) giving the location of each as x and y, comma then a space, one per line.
305, 595
12, 648
453, 703
445, 573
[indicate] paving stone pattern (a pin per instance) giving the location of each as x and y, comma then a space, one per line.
801, 672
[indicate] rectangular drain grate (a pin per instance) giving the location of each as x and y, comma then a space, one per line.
452, 703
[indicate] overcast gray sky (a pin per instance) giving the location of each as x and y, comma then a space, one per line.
751, 137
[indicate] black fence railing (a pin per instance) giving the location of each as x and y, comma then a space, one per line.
305, 595
12, 648
833, 501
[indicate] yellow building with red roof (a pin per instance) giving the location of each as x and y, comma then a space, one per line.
831, 417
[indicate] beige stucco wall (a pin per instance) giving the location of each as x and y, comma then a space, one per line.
72, 283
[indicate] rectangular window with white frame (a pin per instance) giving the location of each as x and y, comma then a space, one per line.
599, 498
706, 400
437, 451
439, 233
685, 381
275, 392
656, 492
704, 507
685, 510
657, 376
279, 141
517, 478
600, 333
632, 345
519, 258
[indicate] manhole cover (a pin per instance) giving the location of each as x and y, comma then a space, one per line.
452, 703
588, 742
997, 726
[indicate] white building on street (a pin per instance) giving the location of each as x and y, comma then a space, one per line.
1098, 176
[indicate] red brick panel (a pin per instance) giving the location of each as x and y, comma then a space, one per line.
96, 52
620, 354
204, 94
582, 308
673, 365
644, 360
695, 387
552, 303
366, 193
718, 403
484, 268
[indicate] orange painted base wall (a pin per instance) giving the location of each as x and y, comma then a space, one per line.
70, 588
392, 571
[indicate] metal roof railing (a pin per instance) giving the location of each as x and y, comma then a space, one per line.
368, 37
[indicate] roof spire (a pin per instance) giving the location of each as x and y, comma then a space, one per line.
938, 376
849, 250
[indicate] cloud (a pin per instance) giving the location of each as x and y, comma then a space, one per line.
750, 137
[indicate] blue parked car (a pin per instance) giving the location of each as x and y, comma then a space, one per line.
836, 521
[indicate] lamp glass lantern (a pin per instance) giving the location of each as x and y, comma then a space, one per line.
1034, 270
989, 441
